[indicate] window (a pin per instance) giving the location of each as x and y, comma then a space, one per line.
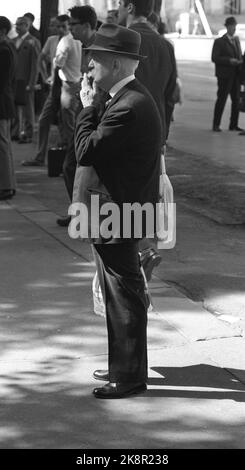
233, 7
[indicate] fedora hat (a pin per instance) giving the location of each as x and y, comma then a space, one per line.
111, 37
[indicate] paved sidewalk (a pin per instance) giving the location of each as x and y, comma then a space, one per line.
51, 342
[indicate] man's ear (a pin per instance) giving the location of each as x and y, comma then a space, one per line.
131, 8
116, 65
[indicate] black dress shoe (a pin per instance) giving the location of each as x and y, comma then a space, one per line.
119, 390
64, 221
150, 259
217, 129
6, 194
236, 128
242, 133
101, 375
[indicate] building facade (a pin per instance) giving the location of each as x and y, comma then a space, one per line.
216, 7
215, 10
101, 6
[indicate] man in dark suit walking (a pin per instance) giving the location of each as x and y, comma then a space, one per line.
227, 56
27, 51
123, 148
7, 72
158, 73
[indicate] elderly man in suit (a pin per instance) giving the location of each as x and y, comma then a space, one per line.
227, 56
122, 147
7, 70
27, 50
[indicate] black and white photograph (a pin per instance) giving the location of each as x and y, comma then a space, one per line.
122, 231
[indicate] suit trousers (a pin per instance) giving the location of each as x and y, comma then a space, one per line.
69, 168
126, 304
24, 121
7, 175
70, 162
29, 114
69, 110
69, 105
49, 111
227, 86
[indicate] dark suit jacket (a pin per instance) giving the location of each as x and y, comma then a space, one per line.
34, 32
223, 51
27, 60
124, 146
158, 71
7, 70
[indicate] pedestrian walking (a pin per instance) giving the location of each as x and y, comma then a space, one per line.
158, 73
68, 61
52, 105
27, 49
227, 57
83, 24
7, 72
123, 149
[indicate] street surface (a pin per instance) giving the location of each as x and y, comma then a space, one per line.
208, 178
51, 342
196, 114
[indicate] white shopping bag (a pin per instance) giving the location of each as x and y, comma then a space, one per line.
166, 211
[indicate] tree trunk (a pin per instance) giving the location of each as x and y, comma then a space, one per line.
49, 8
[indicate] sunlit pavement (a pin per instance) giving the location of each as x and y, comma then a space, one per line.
51, 342
192, 129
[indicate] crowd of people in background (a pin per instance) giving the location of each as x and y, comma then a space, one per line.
66, 60
58, 68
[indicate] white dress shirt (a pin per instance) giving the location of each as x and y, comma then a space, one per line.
50, 47
68, 58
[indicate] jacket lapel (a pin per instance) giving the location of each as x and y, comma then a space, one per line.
118, 95
234, 46
238, 47
24, 41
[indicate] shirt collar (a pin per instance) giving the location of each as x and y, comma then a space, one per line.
119, 85
24, 36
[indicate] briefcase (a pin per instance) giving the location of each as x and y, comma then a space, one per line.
56, 157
